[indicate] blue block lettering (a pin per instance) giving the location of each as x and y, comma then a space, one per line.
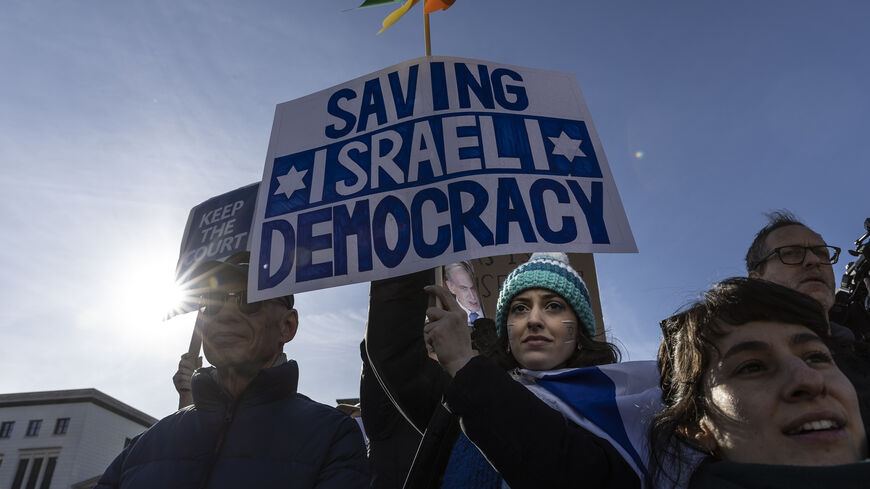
521, 99
442, 241
439, 86
536, 194
372, 103
308, 243
482, 89
593, 210
264, 280
333, 109
469, 219
404, 104
511, 208
391, 206
344, 225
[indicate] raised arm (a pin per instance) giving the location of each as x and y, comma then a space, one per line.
396, 351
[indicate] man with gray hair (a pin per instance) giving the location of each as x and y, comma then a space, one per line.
248, 426
459, 280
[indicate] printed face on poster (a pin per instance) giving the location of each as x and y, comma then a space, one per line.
462, 282
432, 161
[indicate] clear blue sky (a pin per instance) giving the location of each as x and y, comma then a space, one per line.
117, 117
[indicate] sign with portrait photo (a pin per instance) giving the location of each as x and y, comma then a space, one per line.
462, 282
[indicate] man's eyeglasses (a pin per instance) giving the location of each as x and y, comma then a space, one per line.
211, 303
796, 254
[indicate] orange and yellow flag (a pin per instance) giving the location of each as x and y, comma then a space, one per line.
433, 5
429, 6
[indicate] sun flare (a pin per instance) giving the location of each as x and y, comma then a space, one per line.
151, 292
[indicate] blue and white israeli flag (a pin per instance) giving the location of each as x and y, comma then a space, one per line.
615, 402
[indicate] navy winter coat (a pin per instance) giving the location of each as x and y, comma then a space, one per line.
270, 437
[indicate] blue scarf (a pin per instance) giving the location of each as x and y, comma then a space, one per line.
467, 469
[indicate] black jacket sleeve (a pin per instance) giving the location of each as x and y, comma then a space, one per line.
530, 444
396, 351
392, 440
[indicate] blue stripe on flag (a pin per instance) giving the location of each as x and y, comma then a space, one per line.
593, 394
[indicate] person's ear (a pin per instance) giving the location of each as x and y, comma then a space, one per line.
288, 325
755, 274
700, 436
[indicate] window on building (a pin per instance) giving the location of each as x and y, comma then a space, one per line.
19, 473
49, 472
35, 469
6, 429
34, 473
33, 427
61, 426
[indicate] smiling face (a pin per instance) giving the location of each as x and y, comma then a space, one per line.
812, 277
542, 329
774, 396
246, 342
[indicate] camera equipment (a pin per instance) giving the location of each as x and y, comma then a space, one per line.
851, 306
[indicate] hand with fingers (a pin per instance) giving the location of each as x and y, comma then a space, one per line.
186, 366
447, 332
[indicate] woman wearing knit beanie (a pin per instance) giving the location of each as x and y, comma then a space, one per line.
544, 324
543, 319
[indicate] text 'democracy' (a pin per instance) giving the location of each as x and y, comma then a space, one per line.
428, 162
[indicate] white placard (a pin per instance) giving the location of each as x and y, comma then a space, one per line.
431, 161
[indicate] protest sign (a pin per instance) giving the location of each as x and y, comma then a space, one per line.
216, 229
435, 160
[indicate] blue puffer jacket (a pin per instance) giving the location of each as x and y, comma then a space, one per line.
270, 437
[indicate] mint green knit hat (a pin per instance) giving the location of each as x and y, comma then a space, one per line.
549, 271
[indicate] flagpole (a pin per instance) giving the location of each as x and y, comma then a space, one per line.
426, 28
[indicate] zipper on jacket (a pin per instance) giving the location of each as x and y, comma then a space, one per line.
225, 427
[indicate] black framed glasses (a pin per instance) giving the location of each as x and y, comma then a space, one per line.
211, 303
796, 254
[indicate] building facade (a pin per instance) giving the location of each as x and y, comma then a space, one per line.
63, 439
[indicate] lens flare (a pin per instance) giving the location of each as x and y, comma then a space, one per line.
638, 154
154, 295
